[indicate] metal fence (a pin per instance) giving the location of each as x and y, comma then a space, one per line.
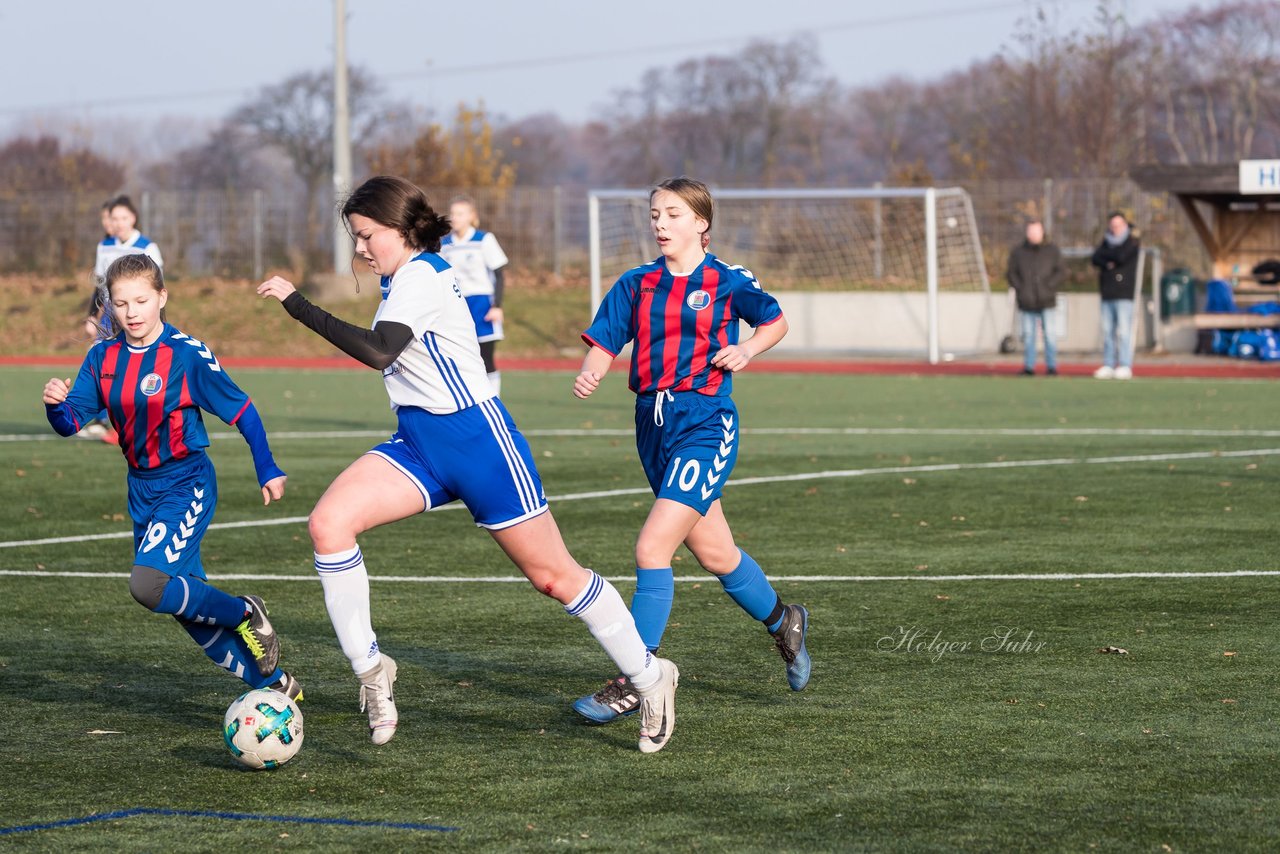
245, 234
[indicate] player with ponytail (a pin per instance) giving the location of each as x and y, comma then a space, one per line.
454, 441
681, 313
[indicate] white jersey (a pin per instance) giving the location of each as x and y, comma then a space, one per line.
474, 255
111, 248
441, 370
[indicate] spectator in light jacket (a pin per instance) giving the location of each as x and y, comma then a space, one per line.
1117, 261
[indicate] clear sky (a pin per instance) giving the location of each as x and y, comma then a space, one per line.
154, 59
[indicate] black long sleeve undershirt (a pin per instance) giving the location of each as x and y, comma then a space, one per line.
497, 288
377, 347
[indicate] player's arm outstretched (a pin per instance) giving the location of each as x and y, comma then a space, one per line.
69, 406
270, 477
735, 357
378, 347
213, 391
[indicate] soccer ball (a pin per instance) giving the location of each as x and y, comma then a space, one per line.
263, 728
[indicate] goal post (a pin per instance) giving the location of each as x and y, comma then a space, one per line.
858, 271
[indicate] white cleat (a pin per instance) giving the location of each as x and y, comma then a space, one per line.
1104, 373
377, 697
658, 709
1123, 373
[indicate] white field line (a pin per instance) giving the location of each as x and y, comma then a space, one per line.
744, 481
770, 431
516, 579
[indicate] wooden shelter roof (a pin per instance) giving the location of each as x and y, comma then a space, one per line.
1217, 183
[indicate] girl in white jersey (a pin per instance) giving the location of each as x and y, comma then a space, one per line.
454, 440
120, 220
478, 261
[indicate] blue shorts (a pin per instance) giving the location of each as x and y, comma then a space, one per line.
171, 508
687, 457
476, 454
485, 331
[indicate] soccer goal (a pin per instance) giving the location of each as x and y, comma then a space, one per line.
857, 271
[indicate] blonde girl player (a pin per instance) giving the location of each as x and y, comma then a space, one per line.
454, 440
477, 260
682, 311
153, 381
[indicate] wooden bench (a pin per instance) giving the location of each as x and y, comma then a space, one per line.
1244, 295
1237, 321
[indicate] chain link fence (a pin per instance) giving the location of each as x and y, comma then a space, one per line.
246, 234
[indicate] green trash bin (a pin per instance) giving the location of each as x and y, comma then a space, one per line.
1177, 293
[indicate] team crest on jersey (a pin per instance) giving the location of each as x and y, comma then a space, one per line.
151, 384
698, 300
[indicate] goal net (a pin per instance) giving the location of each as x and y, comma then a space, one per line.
857, 271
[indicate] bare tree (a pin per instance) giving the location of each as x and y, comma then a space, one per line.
296, 116
1217, 83
756, 117
50, 196
230, 159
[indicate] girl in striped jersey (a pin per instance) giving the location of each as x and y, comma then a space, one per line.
454, 440
153, 381
682, 311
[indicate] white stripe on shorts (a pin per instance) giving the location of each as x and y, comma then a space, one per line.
515, 463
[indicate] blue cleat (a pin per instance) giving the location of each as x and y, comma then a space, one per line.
790, 642
617, 699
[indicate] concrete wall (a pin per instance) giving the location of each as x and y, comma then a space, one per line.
970, 323
861, 322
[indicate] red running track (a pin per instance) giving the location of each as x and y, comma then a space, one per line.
1208, 367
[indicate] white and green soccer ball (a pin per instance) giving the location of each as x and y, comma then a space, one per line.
263, 728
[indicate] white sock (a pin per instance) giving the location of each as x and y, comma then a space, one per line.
346, 595
611, 624
496, 379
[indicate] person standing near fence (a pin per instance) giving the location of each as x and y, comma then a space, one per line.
477, 259
1117, 261
1035, 274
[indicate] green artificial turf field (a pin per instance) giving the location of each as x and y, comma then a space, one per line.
951, 706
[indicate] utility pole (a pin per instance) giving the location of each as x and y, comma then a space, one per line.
341, 137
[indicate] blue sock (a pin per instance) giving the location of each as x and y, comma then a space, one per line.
190, 598
651, 603
227, 650
747, 586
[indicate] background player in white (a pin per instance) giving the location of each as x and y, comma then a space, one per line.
122, 238
454, 440
119, 221
477, 259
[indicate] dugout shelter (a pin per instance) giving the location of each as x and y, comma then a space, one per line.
1234, 209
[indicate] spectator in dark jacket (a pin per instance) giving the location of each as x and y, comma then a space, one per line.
1035, 273
1117, 261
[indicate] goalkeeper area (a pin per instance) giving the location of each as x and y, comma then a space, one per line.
1043, 617
857, 271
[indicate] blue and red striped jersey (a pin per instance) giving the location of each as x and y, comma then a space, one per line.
679, 323
153, 396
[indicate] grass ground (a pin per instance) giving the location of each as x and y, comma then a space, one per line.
951, 707
41, 315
